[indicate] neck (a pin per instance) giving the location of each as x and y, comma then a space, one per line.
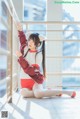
33, 49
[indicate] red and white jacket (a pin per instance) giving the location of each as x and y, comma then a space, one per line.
30, 68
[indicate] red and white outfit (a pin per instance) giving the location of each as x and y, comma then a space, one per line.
30, 68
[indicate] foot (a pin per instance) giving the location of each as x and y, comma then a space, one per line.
73, 94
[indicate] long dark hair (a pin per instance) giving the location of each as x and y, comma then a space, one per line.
36, 40
43, 61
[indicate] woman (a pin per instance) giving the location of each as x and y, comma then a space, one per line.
30, 61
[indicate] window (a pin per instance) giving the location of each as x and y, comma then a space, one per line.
25, 13
36, 12
3, 49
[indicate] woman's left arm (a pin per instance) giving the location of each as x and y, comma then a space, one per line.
30, 70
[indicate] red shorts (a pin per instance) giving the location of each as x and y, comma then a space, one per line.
27, 83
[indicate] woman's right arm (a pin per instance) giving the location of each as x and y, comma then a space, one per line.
22, 37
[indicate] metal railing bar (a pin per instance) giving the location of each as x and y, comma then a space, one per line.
12, 6
51, 73
50, 22
69, 86
4, 52
65, 40
4, 22
61, 57
14, 10
51, 30
6, 79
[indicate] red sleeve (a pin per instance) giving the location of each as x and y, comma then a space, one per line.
36, 76
26, 67
22, 38
23, 41
36, 66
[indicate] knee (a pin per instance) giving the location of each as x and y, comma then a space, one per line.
38, 94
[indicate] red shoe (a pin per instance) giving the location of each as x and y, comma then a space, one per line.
73, 95
59, 95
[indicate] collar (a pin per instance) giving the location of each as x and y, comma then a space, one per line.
32, 50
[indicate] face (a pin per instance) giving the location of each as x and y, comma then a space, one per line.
31, 45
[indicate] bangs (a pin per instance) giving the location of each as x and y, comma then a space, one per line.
32, 36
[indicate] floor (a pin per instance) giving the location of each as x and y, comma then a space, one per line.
48, 108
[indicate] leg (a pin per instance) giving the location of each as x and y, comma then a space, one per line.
39, 92
25, 92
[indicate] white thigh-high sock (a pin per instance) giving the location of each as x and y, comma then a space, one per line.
40, 92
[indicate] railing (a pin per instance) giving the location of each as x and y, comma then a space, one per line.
50, 22
12, 67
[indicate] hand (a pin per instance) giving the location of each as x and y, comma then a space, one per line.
19, 26
18, 53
